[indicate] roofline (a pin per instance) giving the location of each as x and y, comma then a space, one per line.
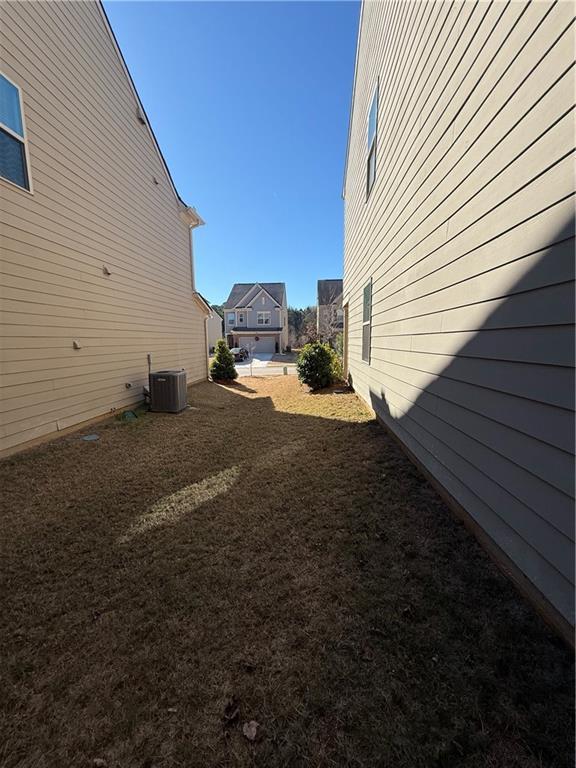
259, 285
202, 301
258, 294
247, 292
351, 113
100, 5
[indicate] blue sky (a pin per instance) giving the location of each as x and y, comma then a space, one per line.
249, 102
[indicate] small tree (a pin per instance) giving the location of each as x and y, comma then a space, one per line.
222, 367
318, 365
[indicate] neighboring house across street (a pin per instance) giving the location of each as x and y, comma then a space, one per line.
256, 317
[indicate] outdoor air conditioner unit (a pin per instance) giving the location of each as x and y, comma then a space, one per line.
168, 391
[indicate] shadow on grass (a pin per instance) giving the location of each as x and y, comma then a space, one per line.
274, 551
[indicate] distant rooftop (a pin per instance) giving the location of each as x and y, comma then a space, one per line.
240, 290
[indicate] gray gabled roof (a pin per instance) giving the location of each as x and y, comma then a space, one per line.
240, 290
329, 291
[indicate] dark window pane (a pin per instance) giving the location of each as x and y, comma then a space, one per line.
367, 308
371, 169
10, 106
366, 342
13, 160
373, 119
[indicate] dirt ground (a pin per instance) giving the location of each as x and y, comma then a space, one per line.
267, 556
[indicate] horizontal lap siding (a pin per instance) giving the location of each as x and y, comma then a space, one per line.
94, 204
468, 238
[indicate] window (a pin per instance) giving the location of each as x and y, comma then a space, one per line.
263, 318
372, 134
367, 322
240, 318
13, 165
231, 318
263, 299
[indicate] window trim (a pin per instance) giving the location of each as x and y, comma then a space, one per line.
231, 318
372, 147
263, 312
367, 323
22, 139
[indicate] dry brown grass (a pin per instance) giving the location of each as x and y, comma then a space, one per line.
274, 548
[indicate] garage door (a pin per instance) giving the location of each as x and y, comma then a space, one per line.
266, 344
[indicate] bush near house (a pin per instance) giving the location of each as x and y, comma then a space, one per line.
318, 365
222, 367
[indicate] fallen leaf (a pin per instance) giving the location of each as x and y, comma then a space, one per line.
250, 730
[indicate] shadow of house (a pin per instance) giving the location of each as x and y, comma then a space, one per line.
494, 428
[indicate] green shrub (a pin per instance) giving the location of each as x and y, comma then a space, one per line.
318, 365
222, 367
337, 367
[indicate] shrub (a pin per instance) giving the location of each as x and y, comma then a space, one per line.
222, 367
337, 367
318, 366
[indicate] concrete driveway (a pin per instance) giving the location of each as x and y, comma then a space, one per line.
259, 360
261, 366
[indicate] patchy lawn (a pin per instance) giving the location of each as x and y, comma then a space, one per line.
268, 556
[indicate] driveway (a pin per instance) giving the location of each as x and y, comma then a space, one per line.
261, 581
263, 365
259, 360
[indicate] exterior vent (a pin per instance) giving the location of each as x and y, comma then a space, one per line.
168, 391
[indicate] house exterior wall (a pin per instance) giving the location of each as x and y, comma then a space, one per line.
261, 302
214, 327
467, 239
94, 204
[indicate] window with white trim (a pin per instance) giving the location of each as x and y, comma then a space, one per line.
231, 318
263, 318
241, 317
13, 162
367, 321
372, 135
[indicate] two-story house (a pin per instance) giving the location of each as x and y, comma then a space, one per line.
256, 317
96, 265
459, 266
329, 315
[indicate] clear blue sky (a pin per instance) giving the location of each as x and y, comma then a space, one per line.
249, 102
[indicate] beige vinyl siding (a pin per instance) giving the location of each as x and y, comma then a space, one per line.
467, 237
94, 204
214, 328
